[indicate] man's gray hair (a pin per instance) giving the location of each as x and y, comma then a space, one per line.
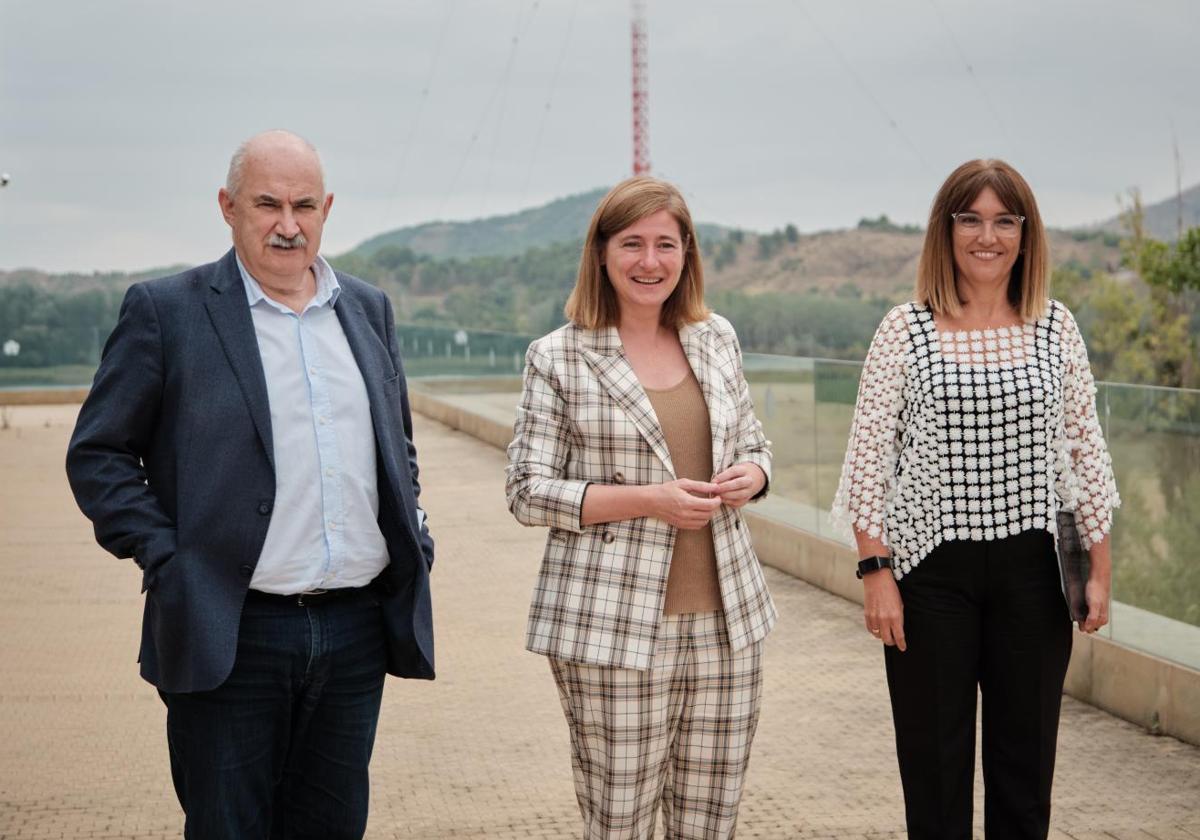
237, 163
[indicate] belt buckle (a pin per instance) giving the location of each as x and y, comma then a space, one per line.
313, 593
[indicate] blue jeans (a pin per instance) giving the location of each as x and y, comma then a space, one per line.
280, 749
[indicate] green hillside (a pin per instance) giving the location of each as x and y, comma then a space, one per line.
562, 220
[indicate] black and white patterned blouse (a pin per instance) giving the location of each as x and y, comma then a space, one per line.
974, 435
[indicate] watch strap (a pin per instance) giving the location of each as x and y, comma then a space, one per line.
872, 564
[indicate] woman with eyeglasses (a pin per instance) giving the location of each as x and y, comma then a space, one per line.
975, 425
637, 444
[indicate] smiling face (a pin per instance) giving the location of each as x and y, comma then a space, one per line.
279, 209
982, 256
644, 262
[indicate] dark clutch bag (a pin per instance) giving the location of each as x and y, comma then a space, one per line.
1074, 565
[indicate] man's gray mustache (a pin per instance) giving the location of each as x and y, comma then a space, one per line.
297, 241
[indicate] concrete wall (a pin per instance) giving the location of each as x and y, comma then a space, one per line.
453, 413
43, 396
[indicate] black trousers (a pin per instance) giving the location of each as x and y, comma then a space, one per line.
989, 615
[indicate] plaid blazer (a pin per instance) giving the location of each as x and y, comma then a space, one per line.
585, 419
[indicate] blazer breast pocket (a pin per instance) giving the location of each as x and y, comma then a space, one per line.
392, 396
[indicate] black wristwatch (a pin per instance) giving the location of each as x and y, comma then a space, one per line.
872, 564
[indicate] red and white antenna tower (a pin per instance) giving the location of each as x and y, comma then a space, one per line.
641, 91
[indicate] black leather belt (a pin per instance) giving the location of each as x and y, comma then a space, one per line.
307, 599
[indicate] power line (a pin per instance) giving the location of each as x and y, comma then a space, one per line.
862, 86
983, 95
537, 140
487, 183
406, 149
501, 85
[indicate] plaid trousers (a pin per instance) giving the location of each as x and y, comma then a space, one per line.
677, 734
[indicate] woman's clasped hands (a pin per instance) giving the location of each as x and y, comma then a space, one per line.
690, 505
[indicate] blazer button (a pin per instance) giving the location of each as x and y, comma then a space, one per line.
608, 537
264, 507
618, 478
246, 571
737, 523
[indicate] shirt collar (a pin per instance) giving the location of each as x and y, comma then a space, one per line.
328, 287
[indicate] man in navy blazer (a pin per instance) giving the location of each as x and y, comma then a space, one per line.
247, 441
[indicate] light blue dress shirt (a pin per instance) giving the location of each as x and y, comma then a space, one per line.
324, 531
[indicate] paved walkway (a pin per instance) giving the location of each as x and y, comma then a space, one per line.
481, 752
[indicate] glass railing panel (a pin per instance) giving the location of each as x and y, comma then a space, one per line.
1154, 437
836, 393
782, 390
805, 406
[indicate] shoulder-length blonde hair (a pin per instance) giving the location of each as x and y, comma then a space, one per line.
593, 303
1027, 285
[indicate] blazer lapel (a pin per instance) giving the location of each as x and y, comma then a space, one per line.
230, 314
371, 355
375, 365
697, 346
607, 360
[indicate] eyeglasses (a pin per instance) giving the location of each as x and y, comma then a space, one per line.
1007, 225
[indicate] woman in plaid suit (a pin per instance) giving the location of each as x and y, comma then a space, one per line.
637, 445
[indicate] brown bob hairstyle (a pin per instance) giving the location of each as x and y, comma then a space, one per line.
1027, 285
593, 303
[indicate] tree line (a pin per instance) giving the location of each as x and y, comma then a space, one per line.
1141, 325
42, 328
1138, 330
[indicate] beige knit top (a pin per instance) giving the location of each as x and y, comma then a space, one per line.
692, 584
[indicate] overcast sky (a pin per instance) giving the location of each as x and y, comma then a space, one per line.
117, 118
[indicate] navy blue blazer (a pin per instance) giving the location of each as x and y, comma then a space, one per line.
172, 460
